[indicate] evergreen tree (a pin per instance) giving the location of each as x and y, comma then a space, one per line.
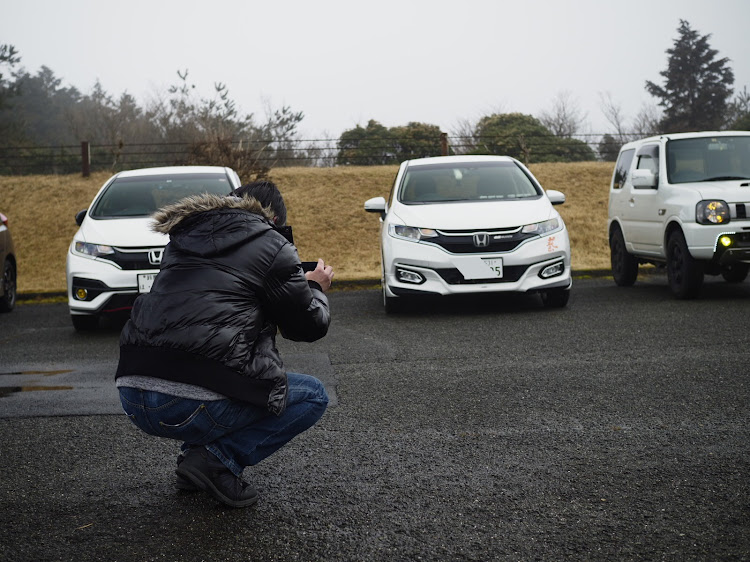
696, 86
8, 57
10, 128
377, 145
416, 140
609, 148
525, 138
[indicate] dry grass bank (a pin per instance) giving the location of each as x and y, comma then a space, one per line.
325, 207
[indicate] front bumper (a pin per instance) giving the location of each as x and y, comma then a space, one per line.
704, 242
442, 273
737, 250
108, 288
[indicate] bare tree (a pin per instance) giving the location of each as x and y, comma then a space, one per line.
646, 122
738, 111
613, 114
463, 137
566, 118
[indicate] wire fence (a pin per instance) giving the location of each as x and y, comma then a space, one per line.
86, 157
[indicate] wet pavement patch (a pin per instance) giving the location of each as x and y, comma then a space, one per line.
8, 390
45, 373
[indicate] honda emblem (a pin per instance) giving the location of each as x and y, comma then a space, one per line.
481, 239
154, 256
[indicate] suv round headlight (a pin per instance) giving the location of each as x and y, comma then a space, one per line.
713, 211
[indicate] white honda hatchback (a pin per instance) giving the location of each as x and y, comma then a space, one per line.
471, 224
115, 255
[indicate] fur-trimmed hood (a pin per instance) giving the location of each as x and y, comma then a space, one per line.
207, 224
169, 217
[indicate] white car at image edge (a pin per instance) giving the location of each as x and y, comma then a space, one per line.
115, 255
471, 224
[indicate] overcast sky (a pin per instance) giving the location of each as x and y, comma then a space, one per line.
343, 62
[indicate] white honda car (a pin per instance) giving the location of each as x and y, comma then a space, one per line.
115, 255
471, 224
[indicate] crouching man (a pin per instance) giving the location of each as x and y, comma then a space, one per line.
198, 359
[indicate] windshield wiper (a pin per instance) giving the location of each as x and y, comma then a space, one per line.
724, 178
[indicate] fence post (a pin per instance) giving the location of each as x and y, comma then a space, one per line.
85, 159
444, 144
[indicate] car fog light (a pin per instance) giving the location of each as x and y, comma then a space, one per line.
552, 270
81, 294
406, 276
726, 241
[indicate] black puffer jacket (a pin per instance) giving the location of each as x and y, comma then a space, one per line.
228, 278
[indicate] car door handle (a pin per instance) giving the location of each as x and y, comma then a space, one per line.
631, 201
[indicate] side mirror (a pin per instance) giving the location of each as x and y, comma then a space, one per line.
643, 179
80, 215
555, 197
376, 205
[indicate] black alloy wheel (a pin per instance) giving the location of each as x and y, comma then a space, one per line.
684, 272
8, 299
624, 265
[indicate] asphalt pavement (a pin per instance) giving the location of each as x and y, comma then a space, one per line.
471, 429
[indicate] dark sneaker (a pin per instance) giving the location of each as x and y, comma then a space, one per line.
182, 483
207, 472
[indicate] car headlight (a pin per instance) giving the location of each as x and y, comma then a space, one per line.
713, 211
92, 250
542, 228
412, 233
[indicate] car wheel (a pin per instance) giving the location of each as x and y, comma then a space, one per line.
8, 300
684, 272
555, 298
624, 265
391, 304
735, 273
84, 322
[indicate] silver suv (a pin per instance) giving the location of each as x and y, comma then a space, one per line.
682, 200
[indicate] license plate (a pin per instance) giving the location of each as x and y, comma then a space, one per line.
495, 264
145, 281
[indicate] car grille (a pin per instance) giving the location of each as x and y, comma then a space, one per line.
136, 258
511, 274
472, 241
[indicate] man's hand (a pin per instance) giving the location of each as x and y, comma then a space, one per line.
322, 275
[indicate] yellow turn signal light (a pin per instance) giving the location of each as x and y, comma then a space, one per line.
725, 241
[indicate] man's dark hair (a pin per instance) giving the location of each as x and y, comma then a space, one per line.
268, 195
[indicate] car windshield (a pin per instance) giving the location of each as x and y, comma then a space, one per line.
142, 196
462, 181
708, 159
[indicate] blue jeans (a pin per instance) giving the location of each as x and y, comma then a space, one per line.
238, 433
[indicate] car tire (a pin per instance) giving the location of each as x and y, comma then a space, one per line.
8, 300
85, 322
735, 273
391, 304
685, 273
624, 265
555, 298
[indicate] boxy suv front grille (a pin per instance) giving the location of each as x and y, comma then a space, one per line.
480, 241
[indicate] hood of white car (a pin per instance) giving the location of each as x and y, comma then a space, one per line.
730, 191
124, 233
472, 215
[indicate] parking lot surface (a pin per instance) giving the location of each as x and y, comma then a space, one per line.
472, 429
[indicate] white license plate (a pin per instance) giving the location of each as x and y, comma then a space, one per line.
145, 280
495, 264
